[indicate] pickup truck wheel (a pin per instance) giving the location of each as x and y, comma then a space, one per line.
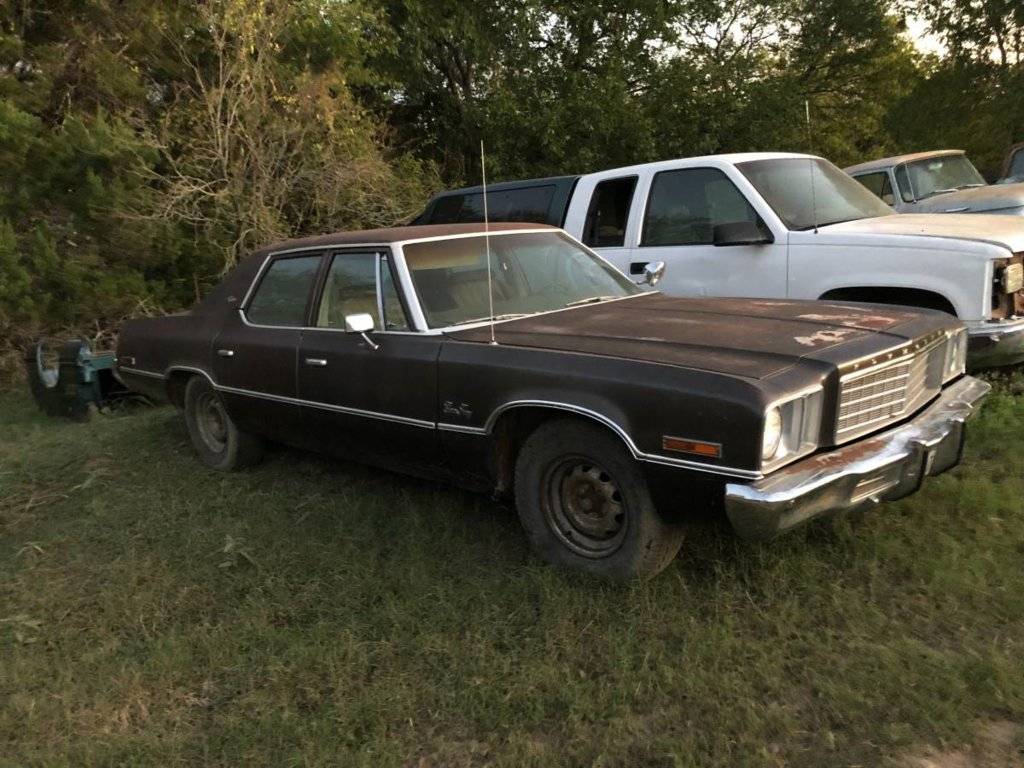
585, 504
219, 443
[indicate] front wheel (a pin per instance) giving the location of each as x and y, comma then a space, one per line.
585, 504
219, 443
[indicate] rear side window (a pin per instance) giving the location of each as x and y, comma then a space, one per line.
878, 184
528, 204
283, 293
609, 212
686, 205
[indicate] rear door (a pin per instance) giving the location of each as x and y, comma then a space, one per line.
681, 208
254, 356
374, 398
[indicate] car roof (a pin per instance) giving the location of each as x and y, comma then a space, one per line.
394, 235
889, 162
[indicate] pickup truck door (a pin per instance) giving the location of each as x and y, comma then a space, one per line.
674, 219
374, 398
253, 356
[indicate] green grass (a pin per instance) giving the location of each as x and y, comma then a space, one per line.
153, 612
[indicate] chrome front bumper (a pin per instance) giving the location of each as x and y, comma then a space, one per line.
883, 467
995, 344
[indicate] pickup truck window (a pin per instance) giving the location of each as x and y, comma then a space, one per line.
810, 192
903, 182
530, 272
529, 204
879, 185
283, 293
351, 288
1017, 164
946, 173
608, 213
686, 205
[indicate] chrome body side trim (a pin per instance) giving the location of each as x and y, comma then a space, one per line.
879, 468
140, 372
652, 458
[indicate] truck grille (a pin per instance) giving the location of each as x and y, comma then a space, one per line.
886, 391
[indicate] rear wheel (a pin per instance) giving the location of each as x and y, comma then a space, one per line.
585, 504
219, 443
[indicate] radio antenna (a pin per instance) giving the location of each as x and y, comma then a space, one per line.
810, 147
487, 242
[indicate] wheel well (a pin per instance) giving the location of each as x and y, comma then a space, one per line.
518, 423
176, 383
908, 297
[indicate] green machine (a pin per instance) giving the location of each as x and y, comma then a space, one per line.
71, 380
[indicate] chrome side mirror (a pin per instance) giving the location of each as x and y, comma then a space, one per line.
653, 272
362, 324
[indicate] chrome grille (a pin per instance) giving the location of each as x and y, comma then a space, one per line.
886, 391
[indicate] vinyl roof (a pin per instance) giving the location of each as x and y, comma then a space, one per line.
889, 162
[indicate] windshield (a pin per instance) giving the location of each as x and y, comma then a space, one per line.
808, 192
945, 173
530, 272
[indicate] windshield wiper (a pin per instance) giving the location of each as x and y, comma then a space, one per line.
590, 300
972, 184
495, 318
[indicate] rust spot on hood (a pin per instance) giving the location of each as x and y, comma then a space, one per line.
874, 322
830, 336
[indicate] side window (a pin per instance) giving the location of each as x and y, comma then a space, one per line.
394, 312
879, 185
527, 204
283, 292
903, 182
1017, 164
686, 205
351, 289
609, 212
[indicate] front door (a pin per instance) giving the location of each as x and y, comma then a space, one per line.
684, 207
254, 356
372, 398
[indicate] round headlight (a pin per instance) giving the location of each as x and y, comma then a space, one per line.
772, 434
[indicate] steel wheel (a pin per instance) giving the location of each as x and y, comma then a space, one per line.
584, 507
212, 421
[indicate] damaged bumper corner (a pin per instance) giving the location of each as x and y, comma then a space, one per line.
995, 344
880, 468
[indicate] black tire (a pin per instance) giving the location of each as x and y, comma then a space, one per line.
585, 504
219, 443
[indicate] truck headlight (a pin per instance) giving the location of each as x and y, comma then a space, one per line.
1011, 279
956, 355
791, 428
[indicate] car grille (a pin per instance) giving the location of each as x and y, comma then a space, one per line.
885, 391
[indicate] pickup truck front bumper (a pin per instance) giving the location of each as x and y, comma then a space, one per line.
883, 467
995, 344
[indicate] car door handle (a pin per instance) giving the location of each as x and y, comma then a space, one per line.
317, 361
226, 352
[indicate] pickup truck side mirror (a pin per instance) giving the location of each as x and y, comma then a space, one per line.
740, 233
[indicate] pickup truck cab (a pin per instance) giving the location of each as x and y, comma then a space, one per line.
779, 225
944, 181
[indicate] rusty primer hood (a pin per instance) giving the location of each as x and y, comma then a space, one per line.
754, 338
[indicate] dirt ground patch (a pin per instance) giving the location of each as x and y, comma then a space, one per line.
998, 745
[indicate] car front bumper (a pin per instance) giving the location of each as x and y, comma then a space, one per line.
995, 344
883, 467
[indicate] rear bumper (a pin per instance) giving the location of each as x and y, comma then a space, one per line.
883, 467
995, 344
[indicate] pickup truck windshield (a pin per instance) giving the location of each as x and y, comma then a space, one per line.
834, 197
531, 272
945, 173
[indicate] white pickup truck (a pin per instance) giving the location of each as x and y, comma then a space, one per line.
778, 225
